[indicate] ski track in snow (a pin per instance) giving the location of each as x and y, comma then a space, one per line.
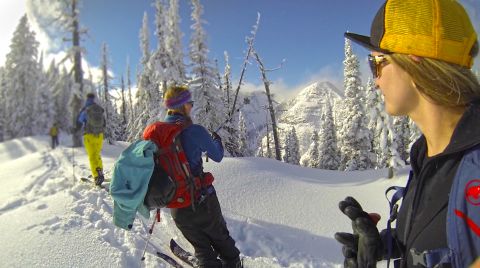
262, 244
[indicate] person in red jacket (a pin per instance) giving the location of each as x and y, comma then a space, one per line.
421, 58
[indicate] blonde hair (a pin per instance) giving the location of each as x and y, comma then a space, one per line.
173, 92
444, 83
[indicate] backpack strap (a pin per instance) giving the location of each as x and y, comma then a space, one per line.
399, 194
463, 215
432, 258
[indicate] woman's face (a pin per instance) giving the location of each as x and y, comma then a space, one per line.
188, 107
397, 87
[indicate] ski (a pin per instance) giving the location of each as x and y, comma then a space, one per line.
169, 260
90, 181
182, 254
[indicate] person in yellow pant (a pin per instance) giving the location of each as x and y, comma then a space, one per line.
54, 135
93, 121
93, 145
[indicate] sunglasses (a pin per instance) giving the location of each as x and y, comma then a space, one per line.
376, 63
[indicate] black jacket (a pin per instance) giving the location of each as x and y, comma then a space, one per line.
421, 222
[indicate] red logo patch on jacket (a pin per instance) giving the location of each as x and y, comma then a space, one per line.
472, 192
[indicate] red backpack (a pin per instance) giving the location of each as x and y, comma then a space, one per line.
172, 184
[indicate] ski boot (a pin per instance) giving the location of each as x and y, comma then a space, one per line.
99, 179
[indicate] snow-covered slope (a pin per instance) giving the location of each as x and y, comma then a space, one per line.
280, 215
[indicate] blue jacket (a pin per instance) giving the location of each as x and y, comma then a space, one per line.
130, 179
195, 140
82, 117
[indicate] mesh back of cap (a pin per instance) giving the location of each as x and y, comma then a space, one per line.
439, 29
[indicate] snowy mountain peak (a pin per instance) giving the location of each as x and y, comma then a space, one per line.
305, 110
319, 89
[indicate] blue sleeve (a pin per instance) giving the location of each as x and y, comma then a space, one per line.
82, 117
214, 148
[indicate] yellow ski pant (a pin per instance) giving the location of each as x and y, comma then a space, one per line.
93, 146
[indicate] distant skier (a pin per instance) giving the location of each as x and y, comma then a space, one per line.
202, 223
421, 58
54, 135
92, 119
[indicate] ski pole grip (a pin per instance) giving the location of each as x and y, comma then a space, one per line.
375, 217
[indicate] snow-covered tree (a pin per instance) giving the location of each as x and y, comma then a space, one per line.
44, 104
177, 74
111, 131
415, 133
395, 160
123, 112
329, 157
375, 113
209, 108
2, 105
291, 148
401, 129
62, 93
242, 136
231, 140
148, 97
130, 112
159, 64
311, 157
354, 137
21, 74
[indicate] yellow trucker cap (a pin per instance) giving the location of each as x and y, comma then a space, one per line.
438, 29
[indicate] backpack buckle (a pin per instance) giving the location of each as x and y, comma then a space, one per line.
418, 257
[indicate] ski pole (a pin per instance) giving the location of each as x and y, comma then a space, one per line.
150, 231
73, 162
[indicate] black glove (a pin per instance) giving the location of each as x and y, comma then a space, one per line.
215, 136
364, 247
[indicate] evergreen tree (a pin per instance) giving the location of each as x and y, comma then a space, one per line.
208, 109
327, 142
292, 154
354, 136
159, 65
111, 131
2, 105
311, 157
44, 104
373, 110
62, 93
395, 160
176, 70
402, 136
130, 112
415, 133
145, 95
21, 74
242, 136
123, 113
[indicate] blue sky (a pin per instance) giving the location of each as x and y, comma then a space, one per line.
308, 34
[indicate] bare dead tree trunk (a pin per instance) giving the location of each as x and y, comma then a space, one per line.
245, 62
130, 101
78, 75
269, 151
266, 82
124, 104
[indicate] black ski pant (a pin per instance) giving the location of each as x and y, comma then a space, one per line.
54, 141
206, 230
